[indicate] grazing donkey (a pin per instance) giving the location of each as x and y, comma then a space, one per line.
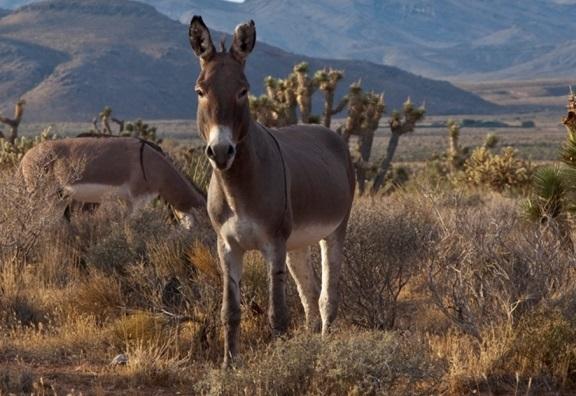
273, 190
130, 170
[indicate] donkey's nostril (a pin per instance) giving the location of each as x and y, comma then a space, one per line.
230, 151
210, 152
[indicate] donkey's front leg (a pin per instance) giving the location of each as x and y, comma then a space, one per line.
275, 256
231, 262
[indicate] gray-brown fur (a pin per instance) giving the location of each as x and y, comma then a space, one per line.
129, 162
273, 190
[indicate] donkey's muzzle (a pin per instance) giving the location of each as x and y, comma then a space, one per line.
221, 155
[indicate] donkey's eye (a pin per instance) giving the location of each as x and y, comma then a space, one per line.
199, 92
243, 92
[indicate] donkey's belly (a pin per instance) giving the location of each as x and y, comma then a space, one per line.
96, 193
308, 234
251, 235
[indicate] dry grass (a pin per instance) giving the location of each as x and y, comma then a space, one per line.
444, 292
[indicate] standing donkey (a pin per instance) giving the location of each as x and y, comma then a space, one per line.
274, 190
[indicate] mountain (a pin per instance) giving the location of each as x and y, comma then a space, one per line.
3, 12
69, 58
436, 38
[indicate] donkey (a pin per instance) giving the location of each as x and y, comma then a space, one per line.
273, 190
92, 170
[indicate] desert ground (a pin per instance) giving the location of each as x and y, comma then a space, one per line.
446, 289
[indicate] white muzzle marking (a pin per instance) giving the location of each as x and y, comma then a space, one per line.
221, 135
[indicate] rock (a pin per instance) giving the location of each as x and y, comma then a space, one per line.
120, 360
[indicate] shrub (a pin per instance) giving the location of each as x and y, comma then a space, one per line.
366, 363
490, 267
545, 347
498, 172
385, 244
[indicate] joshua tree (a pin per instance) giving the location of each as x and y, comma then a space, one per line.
327, 80
454, 151
264, 110
105, 116
356, 102
373, 110
282, 99
141, 130
271, 85
288, 88
400, 124
306, 87
13, 123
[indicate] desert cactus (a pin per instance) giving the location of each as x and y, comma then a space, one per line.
374, 108
497, 171
13, 123
271, 85
327, 80
305, 89
355, 101
491, 141
279, 107
104, 117
12, 153
264, 110
400, 124
101, 123
454, 150
141, 130
288, 87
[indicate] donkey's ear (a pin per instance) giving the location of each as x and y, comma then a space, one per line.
243, 41
200, 39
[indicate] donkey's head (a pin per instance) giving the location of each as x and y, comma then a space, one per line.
222, 88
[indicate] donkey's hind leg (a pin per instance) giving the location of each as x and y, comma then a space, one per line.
301, 269
331, 248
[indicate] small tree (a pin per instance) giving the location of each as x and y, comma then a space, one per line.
104, 116
264, 110
454, 149
400, 123
374, 108
306, 87
328, 80
356, 103
101, 123
13, 123
138, 129
141, 130
282, 102
290, 101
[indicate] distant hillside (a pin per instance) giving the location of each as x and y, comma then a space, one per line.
69, 58
437, 38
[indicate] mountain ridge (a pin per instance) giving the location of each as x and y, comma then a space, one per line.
448, 38
69, 58
435, 38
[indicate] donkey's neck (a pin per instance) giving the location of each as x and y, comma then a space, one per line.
256, 171
175, 188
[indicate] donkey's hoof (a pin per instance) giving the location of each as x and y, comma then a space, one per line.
279, 330
229, 364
